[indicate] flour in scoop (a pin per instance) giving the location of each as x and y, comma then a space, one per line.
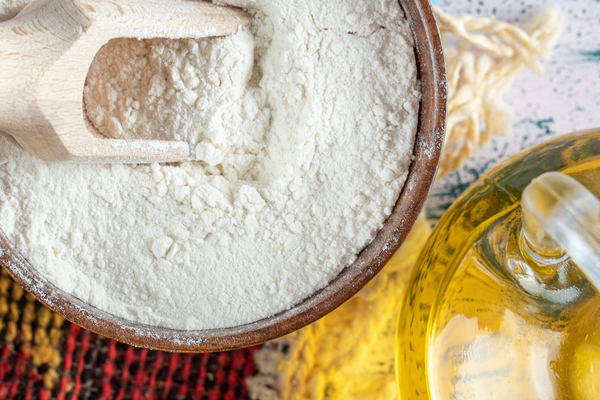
302, 129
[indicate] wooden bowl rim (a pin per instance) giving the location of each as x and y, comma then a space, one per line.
428, 148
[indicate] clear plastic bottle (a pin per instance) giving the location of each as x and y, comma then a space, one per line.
499, 310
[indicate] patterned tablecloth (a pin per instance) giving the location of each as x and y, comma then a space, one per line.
565, 98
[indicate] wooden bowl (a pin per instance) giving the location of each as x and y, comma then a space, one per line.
429, 143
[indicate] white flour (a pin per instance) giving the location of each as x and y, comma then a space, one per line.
303, 130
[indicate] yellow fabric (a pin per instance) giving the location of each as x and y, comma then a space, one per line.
39, 328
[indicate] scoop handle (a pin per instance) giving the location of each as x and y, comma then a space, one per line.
561, 213
146, 19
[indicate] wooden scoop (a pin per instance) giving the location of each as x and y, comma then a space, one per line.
45, 55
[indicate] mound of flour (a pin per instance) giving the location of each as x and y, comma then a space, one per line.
302, 128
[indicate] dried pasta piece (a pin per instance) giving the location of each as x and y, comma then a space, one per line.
483, 57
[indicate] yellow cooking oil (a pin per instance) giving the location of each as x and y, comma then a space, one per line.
487, 318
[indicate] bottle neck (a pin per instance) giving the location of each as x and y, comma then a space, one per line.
561, 216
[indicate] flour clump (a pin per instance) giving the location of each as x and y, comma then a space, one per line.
302, 131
